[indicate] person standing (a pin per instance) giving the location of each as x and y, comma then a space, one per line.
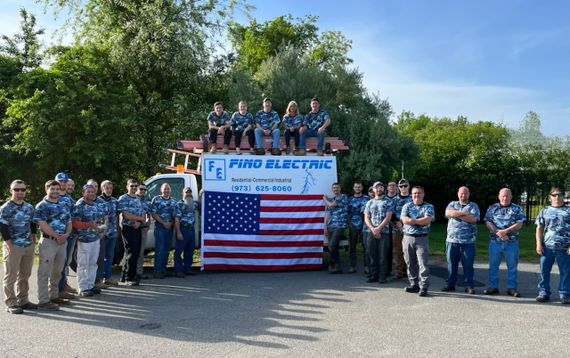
314, 125
18, 230
54, 220
335, 223
392, 194
377, 215
292, 123
366, 236
141, 194
356, 204
164, 214
185, 235
401, 199
553, 244
242, 124
267, 124
417, 217
219, 122
65, 183
133, 216
109, 206
463, 216
504, 220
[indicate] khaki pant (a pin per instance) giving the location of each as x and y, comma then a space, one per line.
52, 259
17, 270
397, 238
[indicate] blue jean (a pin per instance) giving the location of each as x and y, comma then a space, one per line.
162, 242
109, 243
313, 133
460, 252
510, 249
259, 138
186, 247
546, 262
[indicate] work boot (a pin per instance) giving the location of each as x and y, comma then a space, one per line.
252, 151
328, 149
260, 151
300, 152
275, 151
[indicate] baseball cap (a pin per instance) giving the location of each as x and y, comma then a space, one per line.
187, 189
61, 176
266, 99
378, 183
88, 186
403, 181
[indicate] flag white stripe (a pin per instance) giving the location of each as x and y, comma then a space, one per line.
316, 226
297, 203
261, 262
304, 214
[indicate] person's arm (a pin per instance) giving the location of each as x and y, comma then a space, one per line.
177, 229
503, 234
423, 221
539, 236
5, 231
325, 125
386, 220
329, 203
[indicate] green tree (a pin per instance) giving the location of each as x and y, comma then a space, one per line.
24, 46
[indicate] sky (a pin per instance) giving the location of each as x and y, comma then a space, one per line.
486, 60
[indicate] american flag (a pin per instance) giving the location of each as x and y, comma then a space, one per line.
262, 232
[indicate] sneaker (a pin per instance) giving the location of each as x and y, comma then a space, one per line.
69, 289
29, 306
564, 300
213, 149
275, 151
60, 301
470, 290
491, 291
412, 289
300, 152
66, 295
133, 283
110, 282
513, 292
423, 292
180, 275
96, 290
448, 288
100, 285
238, 151
86, 293
542, 298
352, 270
48, 306
14, 310
226, 149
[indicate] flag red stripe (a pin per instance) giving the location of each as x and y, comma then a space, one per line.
290, 208
263, 243
317, 220
302, 267
292, 232
290, 197
261, 255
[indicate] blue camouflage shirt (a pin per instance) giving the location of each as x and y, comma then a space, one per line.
86, 213
132, 205
165, 208
503, 217
292, 122
316, 120
377, 209
19, 219
339, 213
241, 121
219, 121
68, 201
267, 119
556, 224
110, 207
185, 214
356, 210
55, 215
413, 211
459, 231
400, 201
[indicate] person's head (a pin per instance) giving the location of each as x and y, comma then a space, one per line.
357, 187
392, 188
371, 191
62, 178
556, 197
187, 193
107, 187
165, 190
378, 188
404, 187
132, 186
418, 195
70, 186
242, 107
18, 190
315, 105
88, 192
218, 108
505, 197
463, 195
52, 188
292, 109
94, 184
336, 189
141, 190
267, 104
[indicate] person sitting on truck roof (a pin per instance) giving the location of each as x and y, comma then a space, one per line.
292, 123
242, 123
316, 122
267, 123
219, 122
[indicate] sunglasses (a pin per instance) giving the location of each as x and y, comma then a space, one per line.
403, 186
557, 195
142, 189
20, 190
134, 186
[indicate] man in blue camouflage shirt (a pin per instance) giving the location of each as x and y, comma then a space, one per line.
65, 290
315, 125
400, 200
267, 124
164, 214
185, 235
553, 244
54, 220
108, 205
18, 230
417, 217
219, 122
242, 124
463, 216
335, 223
504, 220
356, 205
377, 215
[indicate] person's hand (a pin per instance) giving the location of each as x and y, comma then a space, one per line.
220, 130
540, 249
136, 225
179, 237
168, 225
398, 225
321, 130
267, 131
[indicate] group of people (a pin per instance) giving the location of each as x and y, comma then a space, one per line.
267, 123
397, 223
91, 223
